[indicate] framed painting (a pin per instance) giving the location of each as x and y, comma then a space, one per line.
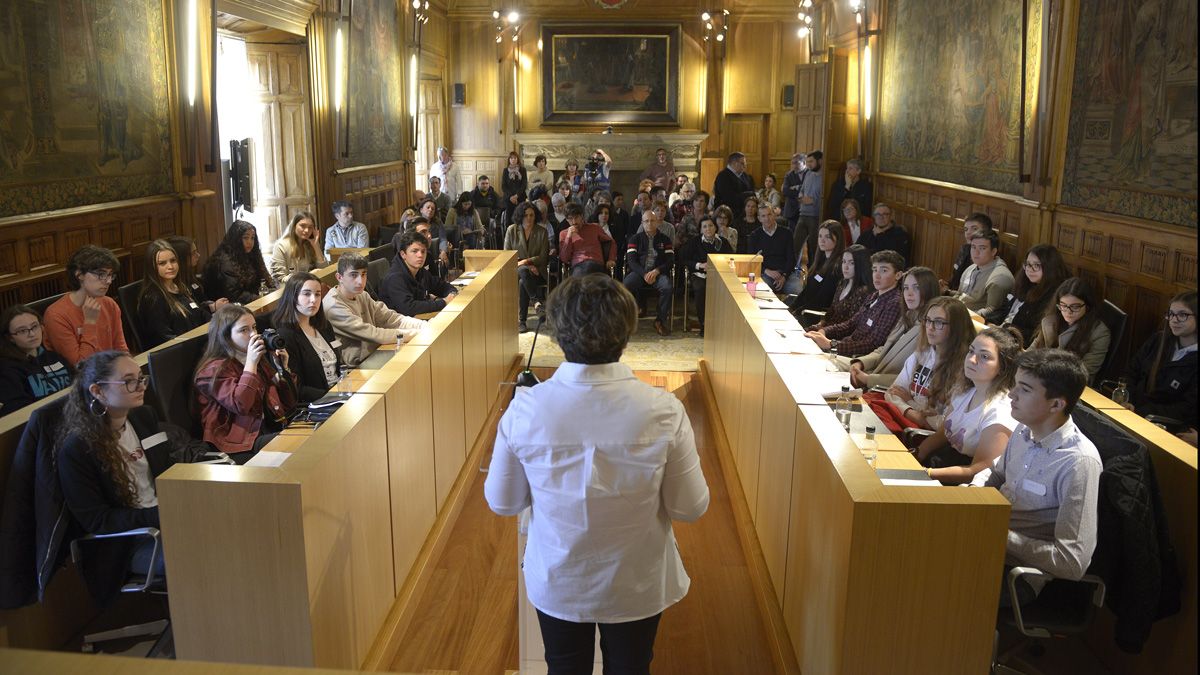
598, 74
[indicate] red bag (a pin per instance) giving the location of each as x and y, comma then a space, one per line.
889, 414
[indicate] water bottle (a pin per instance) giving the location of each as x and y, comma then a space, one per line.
732, 266
263, 289
870, 448
1120, 395
842, 408
833, 357
752, 286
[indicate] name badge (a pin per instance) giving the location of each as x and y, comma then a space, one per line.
1174, 384
57, 365
336, 344
1010, 296
818, 278
870, 322
955, 265
193, 305
156, 439
1036, 488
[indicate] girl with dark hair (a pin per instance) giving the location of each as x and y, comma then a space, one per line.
1073, 323
815, 291
747, 222
165, 306
85, 320
979, 420
514, 182
880, 367
1162, 375
236, 269
316, 353
28, 371
243, 405
532, 244
1033, 291
189, 267
299, 249
925, 384
852, 289
464, 220
110, 450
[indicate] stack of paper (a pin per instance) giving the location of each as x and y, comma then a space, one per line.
769, 302
913, 477
798, 343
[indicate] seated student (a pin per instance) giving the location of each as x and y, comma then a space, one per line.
110, 448
408, 288
854, 224
28, 371
315, 352
815, 289
880, 368
870, 325
1073, 323
532, 245
1162, 375
1049, 472
361, 323
165, 306
886, 235
709, 242
299, 249
856, 288
650, 258
925, 383
236, 270
584, 246
85, 320
463, 219
345, 232
775, 246
1033, 291
979, 419
987, 281
189, 267
243, 399
975, 223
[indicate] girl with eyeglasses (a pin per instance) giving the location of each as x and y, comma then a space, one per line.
28, 371
1033, 291
1073, 323
110, 450
1162, 375
924, 385
85, 320
979, 420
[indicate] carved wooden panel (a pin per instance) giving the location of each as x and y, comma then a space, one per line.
1093, 245
42, 251
292, 73
73, 239
8, 259
1185, 268
1154, 258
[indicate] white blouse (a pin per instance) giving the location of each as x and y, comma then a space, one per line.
964, 427
138, 467
328, 357
606, 462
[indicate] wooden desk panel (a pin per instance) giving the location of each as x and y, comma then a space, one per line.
409, 401
475, 367
750, 424
450, 441
772, 514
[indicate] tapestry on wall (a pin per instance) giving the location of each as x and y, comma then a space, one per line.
374, 86
84, 115
950, 99
1131, 144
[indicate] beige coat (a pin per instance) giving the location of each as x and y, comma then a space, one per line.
884, 364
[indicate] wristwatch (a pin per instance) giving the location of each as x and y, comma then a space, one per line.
833, 344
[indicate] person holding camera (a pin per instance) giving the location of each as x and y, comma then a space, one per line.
243, 401
596, 173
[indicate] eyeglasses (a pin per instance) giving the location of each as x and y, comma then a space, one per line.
937, 324
1179, 316
27, 331
1033, 267
131, 385
103, 276
1077, 307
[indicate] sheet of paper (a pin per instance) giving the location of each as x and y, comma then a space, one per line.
268, 458
769, 302
911, 483
797, 343
763, 286
829, 384
468, 275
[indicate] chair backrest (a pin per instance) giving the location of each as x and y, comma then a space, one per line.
171, 369
382, 252
1114, 319
127, 298
386, 232
41, 305
376, 270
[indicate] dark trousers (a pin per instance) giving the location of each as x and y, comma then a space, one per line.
531, 286
139, 562
587, 267
627, 647
635, 282
805, 231
698, 287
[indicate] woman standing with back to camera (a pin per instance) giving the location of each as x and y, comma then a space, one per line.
601, 551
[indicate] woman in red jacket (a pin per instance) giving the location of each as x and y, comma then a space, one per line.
243, 404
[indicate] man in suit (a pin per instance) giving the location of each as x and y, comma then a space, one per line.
733, 184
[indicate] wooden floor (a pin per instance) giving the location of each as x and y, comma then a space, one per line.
467, 617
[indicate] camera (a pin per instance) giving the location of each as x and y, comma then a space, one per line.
272, 340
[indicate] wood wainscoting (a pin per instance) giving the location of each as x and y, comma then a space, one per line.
1137, 264
379, 194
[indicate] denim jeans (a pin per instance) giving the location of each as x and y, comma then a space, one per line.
627, 647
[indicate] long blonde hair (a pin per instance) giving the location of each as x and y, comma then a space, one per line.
302, 249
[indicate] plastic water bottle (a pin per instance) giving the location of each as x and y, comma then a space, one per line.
870, 448
842, 408
1120, 395
732, 266
752, 286
833, 358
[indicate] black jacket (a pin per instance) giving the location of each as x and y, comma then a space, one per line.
778, 250
731, 191
697, 251
512, 187
409, 295
862, 192
1028, 318
158, 323
818, 292
895, 238
27, 380
304, 362
225, 277
1173, 393
961, 262
639, 244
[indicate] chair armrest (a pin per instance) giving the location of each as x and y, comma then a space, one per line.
814, 313
141, 532
1033, 572
215, 458
914, 436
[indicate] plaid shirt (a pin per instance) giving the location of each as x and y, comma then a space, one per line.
870, 325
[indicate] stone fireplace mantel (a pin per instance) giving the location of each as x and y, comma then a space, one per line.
629, 150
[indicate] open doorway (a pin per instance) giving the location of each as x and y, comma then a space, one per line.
429, 129
262, 75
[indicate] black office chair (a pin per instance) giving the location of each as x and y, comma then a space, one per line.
386, 233
171, 371
163, 646
127, 297
376, 270
1114, 319
382, 252
40, 305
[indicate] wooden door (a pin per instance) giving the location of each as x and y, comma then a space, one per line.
429, 129
812, 98
283, 164
841, 140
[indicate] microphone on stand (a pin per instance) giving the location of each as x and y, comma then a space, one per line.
526, 378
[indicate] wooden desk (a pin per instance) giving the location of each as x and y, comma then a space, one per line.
1099, 401
844, 555
301, 564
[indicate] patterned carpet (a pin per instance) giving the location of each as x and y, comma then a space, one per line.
647, 350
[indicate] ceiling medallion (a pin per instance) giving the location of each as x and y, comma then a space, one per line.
610, 4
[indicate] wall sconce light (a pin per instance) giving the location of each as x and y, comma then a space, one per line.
716, 28
506, 19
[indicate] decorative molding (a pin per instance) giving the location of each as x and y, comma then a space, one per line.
628, 150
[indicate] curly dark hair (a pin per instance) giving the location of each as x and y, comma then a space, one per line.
94, 430
592, 317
